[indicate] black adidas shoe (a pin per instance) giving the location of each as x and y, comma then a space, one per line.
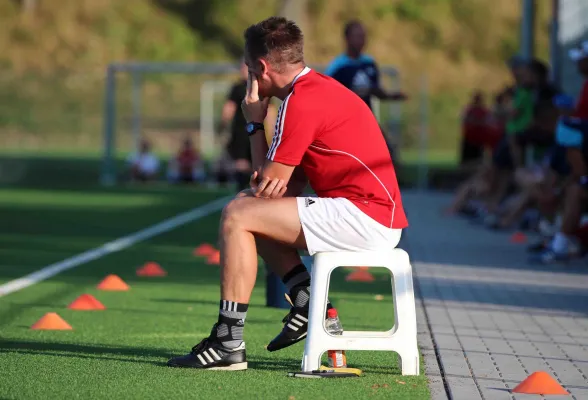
211, 354
295, 329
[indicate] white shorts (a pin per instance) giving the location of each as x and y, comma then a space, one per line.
336, 224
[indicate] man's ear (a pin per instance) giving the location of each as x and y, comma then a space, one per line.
263, 66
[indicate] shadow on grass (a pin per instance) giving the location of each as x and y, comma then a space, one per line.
129, 354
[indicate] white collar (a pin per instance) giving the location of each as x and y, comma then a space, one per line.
305, 71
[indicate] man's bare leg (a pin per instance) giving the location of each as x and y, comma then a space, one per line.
242, 220
570, 219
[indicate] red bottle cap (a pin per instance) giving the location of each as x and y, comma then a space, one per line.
332, 313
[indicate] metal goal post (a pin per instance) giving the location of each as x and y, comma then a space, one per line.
218, 77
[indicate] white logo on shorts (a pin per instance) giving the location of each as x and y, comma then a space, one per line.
309, 201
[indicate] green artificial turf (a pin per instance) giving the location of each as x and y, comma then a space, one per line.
121, 352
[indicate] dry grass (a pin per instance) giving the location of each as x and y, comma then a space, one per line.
53, 61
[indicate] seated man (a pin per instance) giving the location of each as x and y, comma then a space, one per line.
144, 165
186, 166
330, 134
474, 127
572, 134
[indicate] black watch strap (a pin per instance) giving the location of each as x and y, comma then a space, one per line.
253, 127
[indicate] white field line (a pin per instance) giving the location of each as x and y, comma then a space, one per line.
114, 246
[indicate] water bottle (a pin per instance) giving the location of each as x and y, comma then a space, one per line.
337, 358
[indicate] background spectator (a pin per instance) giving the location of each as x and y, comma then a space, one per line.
475, 121
187, 165
144, 164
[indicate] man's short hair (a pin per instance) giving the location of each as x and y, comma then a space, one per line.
278, 40
350, 25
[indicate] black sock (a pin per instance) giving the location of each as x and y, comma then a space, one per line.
242, 180
231, 320
297, 280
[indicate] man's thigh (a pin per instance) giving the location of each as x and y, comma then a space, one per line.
274, 219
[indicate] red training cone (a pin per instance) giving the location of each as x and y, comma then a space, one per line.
539, 382
360, 275
52, 321
204, 250
518, 237
86, 302
151, 269
113, 282
214, 258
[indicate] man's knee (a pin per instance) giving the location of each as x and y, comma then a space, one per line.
232, 214
244, 193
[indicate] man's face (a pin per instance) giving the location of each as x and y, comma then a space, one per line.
356, 39
260, 71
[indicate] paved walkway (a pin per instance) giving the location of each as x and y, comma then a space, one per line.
487, 319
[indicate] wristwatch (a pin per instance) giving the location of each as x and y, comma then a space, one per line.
253, 127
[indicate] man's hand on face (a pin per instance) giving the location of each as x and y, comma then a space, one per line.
254, 109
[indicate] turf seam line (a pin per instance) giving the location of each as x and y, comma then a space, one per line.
113, 246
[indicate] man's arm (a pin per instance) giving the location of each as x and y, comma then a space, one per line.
259, 149
379, 92
383, 95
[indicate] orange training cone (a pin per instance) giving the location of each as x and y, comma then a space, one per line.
52, 321
214, 258
360, 275
151, 269
518, 237
113, 282
86, 302
539, 382
204, 250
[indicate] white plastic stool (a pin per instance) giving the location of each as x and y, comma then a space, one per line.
402, 338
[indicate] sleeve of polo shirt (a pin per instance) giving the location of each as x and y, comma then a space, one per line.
295, 130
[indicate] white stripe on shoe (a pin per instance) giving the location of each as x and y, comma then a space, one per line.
209, 358
214, 354
201, 359
301, 317
294, 328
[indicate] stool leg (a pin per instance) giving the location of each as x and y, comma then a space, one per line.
319, 289
405, 315
409, 362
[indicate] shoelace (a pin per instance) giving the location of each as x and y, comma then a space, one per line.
204, 342
200, 346
287, 317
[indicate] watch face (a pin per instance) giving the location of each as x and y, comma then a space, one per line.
249, 128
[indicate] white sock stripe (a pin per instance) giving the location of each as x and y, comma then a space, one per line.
224, 304
234, 307
214, 354
301, 317
292, 327
202, 360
